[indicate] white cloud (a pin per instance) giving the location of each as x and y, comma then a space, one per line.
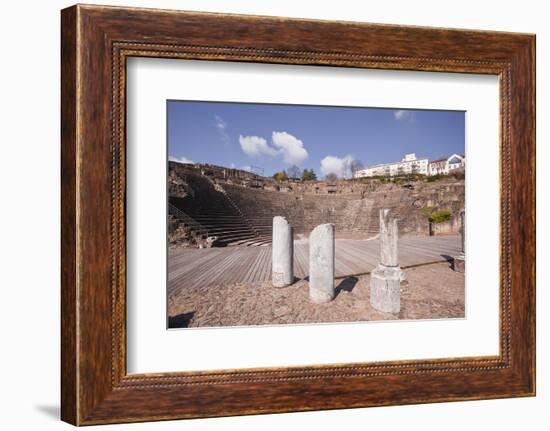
180, 159
232, 165
247, 168
221, 125
290, 148
402, 114
336, 165
255, 146
284, 145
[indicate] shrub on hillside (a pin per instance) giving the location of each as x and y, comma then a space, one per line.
280, 176
434, 178
435, 215
440, 216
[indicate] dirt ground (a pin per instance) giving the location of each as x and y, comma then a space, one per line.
432, 291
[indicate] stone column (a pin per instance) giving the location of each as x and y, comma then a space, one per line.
459, 262
282, 274
389, 236
385, 280
462, 228
321, 263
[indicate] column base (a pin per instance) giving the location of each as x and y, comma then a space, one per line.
459, 263
280, 279
318, 296
385, 293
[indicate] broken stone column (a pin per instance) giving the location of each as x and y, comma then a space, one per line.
385, 280
388, 239
459, 262
282, 274
321, 263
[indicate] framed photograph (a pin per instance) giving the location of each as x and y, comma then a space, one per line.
264, 215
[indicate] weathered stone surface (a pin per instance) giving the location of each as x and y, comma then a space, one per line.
388, 239
321, 263
385, 292
210, 241
282, 253
385, 281
353, 207
463, 230
459, 263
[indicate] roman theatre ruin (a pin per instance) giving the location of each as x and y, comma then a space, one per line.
220, 223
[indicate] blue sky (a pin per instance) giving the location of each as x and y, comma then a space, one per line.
325, 139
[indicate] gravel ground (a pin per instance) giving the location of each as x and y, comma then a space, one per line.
430, 292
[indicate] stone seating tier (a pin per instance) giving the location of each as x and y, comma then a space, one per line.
243, 215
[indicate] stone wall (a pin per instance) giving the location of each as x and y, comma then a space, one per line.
353, 212
352, 205
180, 235
303, 211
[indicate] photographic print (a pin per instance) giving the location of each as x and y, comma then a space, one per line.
296, 214
305, 194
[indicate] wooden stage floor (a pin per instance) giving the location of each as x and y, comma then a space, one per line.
228, 265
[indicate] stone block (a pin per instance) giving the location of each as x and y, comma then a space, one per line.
459, 263
321, 263
385, 294
282, 253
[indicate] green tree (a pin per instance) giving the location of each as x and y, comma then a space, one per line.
293, 171
309, 175
435, 215
440, 216
280, 176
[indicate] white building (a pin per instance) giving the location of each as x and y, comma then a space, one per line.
445, 166
408, 165
411, 165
